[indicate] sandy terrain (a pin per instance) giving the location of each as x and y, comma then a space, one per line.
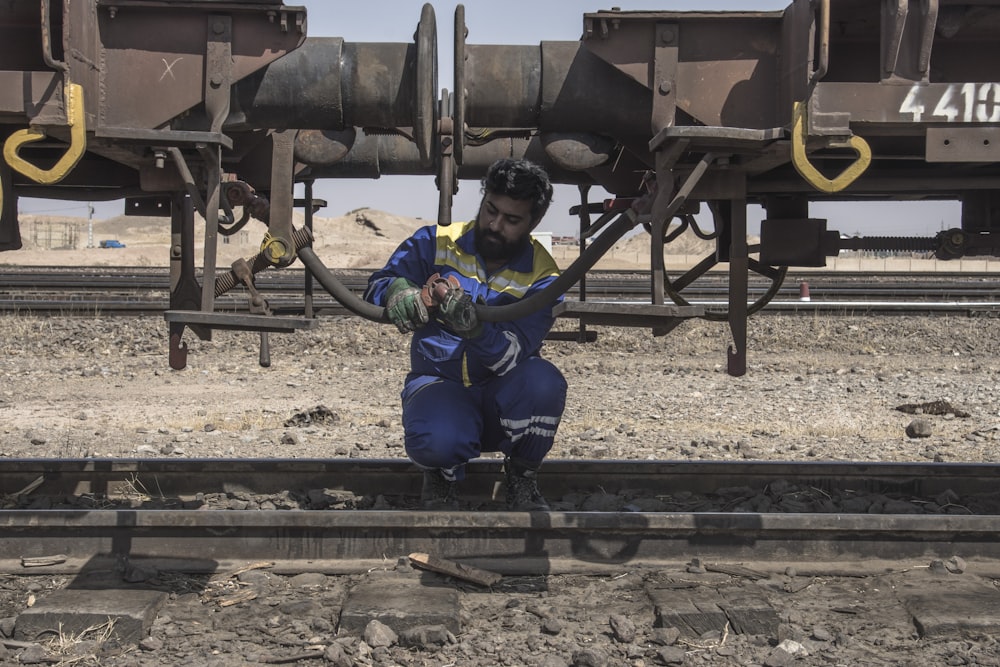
818, 388
359, 239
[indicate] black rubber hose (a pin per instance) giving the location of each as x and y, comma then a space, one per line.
577, 270
589, 257
338, 291
601, 245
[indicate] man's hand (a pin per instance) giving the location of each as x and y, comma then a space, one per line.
457, 312
404, 307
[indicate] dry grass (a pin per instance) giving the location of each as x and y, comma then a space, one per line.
67, 646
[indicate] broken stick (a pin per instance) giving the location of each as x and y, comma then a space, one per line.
457, 570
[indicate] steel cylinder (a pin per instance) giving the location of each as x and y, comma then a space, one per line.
374, 156
503, 84
330, 84
554, 86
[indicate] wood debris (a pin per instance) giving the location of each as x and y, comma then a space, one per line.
457, 570
42, 561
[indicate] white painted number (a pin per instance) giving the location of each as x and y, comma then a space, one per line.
965, 102
912, 105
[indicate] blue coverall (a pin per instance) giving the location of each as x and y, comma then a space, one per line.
489, 393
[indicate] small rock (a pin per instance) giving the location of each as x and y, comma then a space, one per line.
666, 636
695, 567
426, 636
308, 580
151, 644
671, 655
589, 657
34, 655
623, 628
781, 656
793, 647
955, 565
532, 608
551, 626
378, 634
336, 656
919, 428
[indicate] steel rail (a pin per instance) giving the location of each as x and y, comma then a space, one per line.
128, 291
206, 540
834, 283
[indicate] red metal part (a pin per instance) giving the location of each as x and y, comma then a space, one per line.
436, 290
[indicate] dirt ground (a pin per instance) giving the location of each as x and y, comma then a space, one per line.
818, 388
628, 618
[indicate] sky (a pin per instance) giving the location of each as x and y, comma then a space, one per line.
518, 22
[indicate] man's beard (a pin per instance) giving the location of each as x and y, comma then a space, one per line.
492, 246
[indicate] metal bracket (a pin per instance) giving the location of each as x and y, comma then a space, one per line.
278, 247
77, 123
810, 173
664, 71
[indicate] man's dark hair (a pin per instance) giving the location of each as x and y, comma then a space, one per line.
520, 179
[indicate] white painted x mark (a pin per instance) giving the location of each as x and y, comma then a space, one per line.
169, 68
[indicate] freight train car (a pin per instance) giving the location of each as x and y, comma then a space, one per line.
220, 107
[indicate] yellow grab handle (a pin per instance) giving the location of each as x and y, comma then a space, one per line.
811, 173
73, 94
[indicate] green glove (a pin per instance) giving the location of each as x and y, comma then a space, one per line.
404, 307
458, 313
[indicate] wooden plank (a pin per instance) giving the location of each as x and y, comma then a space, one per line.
750, 614
736, 571
693, 612
700, 610
457, 570
951, 605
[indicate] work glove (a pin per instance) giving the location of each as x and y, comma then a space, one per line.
457, 312
404, 307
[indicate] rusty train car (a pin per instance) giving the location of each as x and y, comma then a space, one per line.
219, 107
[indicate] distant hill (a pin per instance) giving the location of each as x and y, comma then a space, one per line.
362, 238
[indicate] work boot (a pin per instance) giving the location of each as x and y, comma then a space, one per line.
438, 492
522, 487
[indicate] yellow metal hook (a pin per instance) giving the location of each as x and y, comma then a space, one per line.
812, 175
73, 94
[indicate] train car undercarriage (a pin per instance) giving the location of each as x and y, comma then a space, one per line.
218, 108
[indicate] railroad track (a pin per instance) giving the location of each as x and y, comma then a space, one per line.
157, 550
125, 291
350, 515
